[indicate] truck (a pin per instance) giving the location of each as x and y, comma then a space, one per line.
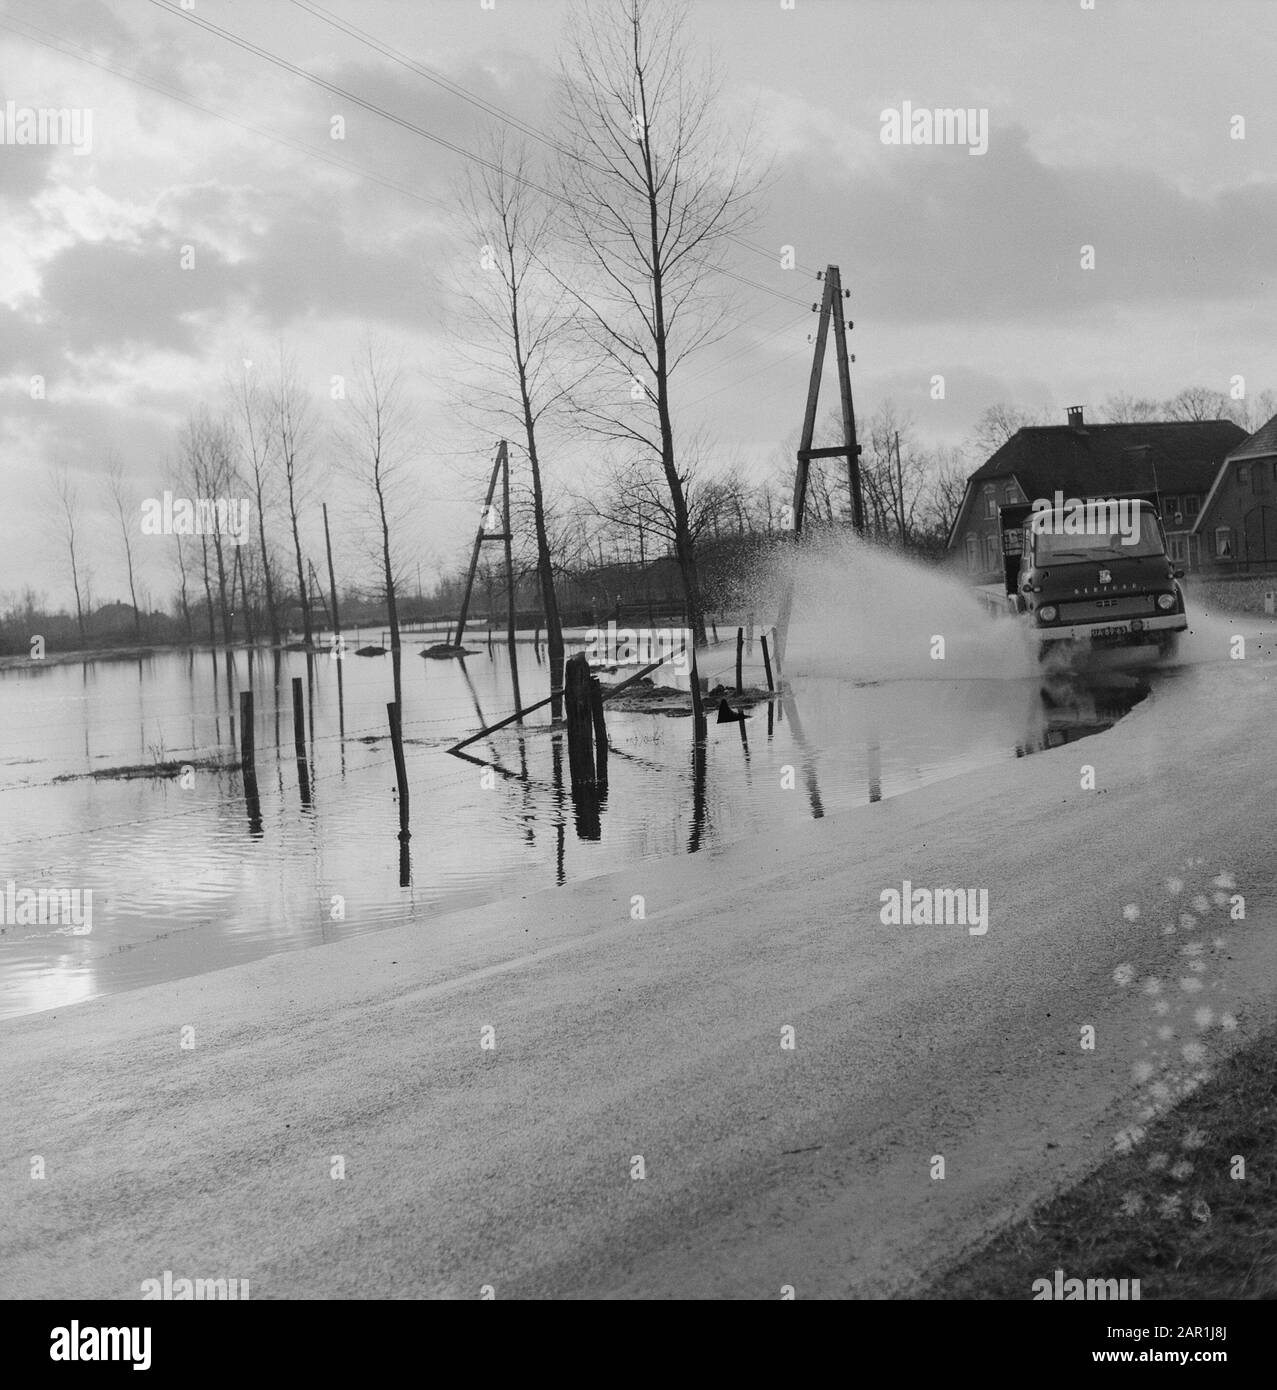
1091, 574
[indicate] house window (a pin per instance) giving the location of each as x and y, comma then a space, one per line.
1243, 474
1170, 508
1259, 479
1191, 505
1011, 493
973, 554
990, 500
993, 552
1177, 548
1223, 542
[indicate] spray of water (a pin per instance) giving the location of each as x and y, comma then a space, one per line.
865, 614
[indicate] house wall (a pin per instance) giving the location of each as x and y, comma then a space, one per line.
1238, 532
978, 536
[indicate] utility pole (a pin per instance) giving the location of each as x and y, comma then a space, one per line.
830, 310
332, 581
500, 468
481, 536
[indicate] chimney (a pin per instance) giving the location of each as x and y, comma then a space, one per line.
1075, 417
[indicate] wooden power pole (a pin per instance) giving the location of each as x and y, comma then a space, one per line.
500, 469
830, 310
332, 582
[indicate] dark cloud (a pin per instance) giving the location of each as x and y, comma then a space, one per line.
97, 295
933, 234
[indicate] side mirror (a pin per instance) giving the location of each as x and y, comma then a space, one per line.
1028, 588
1177, 574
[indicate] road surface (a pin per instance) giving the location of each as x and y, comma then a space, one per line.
618, 1037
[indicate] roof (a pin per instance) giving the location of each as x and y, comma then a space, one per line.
1260, 444
1097, 459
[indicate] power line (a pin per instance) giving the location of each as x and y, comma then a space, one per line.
411, 126
490, 108
66, 46
70, 49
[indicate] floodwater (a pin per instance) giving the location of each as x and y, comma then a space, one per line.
185, 878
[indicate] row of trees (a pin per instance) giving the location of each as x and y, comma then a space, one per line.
584, 542
263, 443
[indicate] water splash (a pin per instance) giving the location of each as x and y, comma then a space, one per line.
867, 614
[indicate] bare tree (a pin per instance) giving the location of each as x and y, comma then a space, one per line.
1122, 408
115, 491
1198, 403
1252, 412
182, 592
632, 501
998, 422
947, 471
651, 198
291, 417
256, 425
66, 496
523, 310
209, 467
378, 445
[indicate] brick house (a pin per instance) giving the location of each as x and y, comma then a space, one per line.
1173, 464
1235, 530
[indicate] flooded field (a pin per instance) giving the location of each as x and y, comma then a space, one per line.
182, 882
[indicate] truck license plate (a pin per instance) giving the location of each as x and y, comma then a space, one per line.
1100, 633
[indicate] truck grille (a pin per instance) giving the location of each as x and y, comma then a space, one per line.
1100, 610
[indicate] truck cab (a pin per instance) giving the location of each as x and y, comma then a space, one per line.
1092, 573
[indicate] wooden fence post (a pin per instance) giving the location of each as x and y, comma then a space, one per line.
299, 740
600, 732
576, 707
247, 754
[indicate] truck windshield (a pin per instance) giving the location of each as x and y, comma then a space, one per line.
1052, 545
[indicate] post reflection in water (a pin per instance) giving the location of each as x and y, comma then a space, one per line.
790, 707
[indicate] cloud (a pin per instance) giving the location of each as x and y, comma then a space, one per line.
937, 234
106, 294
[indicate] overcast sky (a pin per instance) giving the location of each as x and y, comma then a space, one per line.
1110, 127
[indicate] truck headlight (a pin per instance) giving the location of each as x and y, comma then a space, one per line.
1047, 613
1166, 602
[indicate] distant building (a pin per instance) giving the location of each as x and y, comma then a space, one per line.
1235, 530
1174, 464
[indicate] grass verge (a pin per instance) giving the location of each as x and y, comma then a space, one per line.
1169, 1212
